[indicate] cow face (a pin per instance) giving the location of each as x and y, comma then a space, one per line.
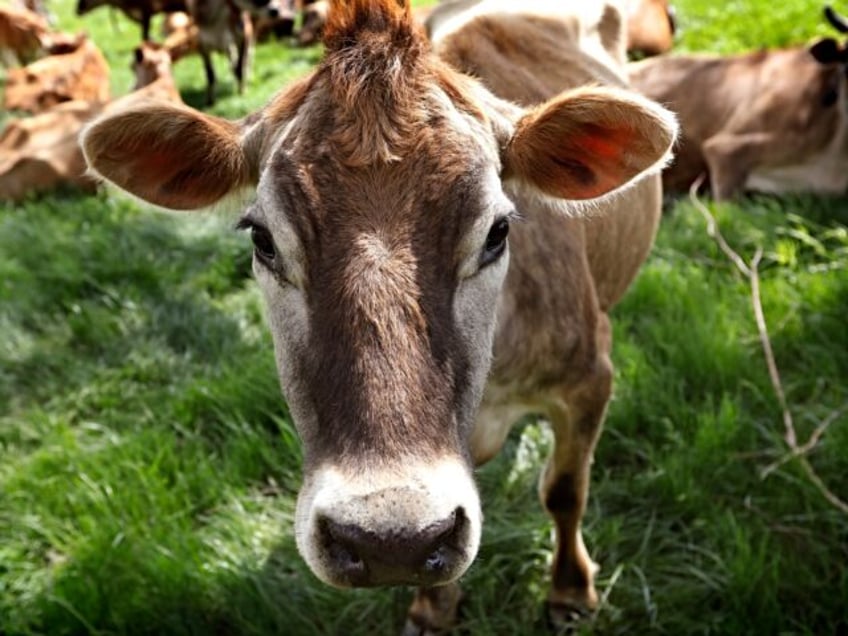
834, 61
385, 186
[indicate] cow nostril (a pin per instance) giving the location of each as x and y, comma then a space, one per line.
436, 562
344, 556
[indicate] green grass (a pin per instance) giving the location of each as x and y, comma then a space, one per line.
148, 467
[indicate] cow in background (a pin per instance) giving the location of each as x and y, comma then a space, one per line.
78, 71
650, 23
41, 153
312, 24
769, 121
181, 35
226, 26
22, 35
141, 11
650, 27
280, 25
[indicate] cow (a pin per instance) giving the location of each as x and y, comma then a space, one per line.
439, 232
141, 11
78, 71
770, 120
226, 26
153, 78
312, 23
41, 153
280, 25
181, 35
650, 27
650, 24
22, 34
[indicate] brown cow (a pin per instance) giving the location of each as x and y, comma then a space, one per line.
650, 27
80, 72
650, 23
22, 34
40, 153
312, 23
141, 11
181, 35
771, 121
386, 184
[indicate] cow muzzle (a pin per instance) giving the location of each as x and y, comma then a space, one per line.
406, 527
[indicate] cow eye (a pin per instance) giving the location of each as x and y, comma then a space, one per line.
263, 244
495, 242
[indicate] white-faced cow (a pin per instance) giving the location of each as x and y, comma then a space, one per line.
409, 332
769, 121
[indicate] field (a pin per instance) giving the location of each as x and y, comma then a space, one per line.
148, 466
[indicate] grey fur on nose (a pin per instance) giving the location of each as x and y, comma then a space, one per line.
393, 556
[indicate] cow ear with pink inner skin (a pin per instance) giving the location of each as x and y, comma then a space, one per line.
588, 142
171, 156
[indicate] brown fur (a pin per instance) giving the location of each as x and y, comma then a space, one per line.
22, 34
81, 74
744, 113
41, 153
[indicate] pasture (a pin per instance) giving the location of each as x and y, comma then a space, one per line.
148, 466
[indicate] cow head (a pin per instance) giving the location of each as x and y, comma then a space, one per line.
84, 6
384, 189
833, 59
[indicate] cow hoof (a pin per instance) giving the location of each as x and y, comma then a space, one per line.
565, 618
414, 629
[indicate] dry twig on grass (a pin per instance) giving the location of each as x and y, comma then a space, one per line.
789, 435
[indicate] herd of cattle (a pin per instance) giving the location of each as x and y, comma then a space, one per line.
772, 121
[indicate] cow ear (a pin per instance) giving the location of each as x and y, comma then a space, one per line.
826, 51
172, 156
588, 142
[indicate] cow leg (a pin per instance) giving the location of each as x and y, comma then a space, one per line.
145, 26
210, 76
731, 159
241, 63
433, 610
243, 34
576, 419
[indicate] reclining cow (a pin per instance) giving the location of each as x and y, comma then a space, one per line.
42, 153
77, 71
22, 34
770, 121
410, 334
